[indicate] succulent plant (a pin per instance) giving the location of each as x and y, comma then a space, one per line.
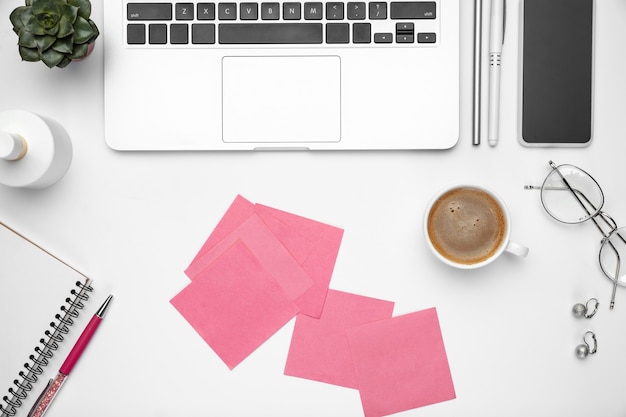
54, 31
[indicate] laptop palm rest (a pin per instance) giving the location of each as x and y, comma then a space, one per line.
281, 100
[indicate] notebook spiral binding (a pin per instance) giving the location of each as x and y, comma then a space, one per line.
49, 344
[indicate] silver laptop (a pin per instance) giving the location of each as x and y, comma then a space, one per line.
246, 75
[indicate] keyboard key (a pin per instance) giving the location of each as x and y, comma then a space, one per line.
413, 10
378, 10
383, 37
227, 11
334, 10
157, 33
136, 34
270, 11
292, 11
203, 33
401, 38
337, 33
179, 33
149, 11
362, 33
313, 11
426, 37
270, 33
184, 11
206, 11
356, 10
248, 11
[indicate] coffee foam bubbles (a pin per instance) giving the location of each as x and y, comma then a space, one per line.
466, 225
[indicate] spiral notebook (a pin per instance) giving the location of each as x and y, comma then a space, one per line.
41, 297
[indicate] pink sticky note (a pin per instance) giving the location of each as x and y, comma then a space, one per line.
320, 262
235, 305
275, 259
319, 347
401, 363
238, 212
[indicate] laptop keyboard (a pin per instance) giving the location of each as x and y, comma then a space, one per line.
315, 24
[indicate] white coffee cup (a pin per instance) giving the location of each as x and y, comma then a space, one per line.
468, 226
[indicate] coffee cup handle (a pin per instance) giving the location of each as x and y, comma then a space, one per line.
516, 249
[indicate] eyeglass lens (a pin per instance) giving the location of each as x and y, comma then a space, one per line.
613, 249
570, 195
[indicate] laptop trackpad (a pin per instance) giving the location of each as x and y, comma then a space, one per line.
281, 99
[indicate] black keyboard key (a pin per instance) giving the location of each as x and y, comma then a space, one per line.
337, 33
136, 34
149, 11
356, 10
184, 11
227, 11
413, 10
179, 33
383, 37
426, 37
157, 33
248, 11
292, 11
334, 10
206, 11
270, 33
203, 33
270, 11
362, 33
378, 10
400, 38
313, 11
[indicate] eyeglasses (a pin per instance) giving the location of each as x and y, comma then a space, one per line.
571, 195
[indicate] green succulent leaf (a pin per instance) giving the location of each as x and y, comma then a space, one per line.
27, 39
64, 45
29, 3
28, 54
65, 27
83, 31
17, 18
51, 58
79, 51
64, 62
70, 12
84, 7
44, 42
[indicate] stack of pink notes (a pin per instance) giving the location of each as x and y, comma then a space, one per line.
261, 267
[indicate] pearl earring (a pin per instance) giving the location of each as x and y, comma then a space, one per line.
584, 349
583, 310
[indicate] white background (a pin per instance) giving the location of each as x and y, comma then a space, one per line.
133, 221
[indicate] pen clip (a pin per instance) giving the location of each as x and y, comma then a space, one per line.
40, 398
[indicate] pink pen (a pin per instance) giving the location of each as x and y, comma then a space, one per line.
54, 385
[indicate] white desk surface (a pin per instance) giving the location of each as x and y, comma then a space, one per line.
133, 221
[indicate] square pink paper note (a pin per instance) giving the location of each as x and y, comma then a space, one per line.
401, 363
235, 305
319, 347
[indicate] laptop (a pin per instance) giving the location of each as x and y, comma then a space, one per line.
246, 75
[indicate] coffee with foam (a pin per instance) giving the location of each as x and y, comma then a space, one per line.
466, 225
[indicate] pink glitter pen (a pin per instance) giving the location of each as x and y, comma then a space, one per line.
54, 385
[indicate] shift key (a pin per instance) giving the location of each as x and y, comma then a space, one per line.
413, 10
149, 11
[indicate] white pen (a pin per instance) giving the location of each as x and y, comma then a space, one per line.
496, 40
